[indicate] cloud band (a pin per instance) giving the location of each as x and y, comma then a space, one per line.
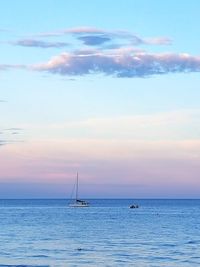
120, 64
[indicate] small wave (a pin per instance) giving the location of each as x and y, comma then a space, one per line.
192, 242
40, 256
195, 258
121, 261
191, 262
169, 245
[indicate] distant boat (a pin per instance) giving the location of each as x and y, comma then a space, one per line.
78, 203
134, 206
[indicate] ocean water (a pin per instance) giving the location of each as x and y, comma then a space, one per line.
49, 233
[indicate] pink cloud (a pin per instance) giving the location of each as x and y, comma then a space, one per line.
120, 65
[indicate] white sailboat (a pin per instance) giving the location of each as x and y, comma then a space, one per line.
78, 203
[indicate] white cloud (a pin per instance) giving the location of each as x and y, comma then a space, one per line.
120, 64
115, 53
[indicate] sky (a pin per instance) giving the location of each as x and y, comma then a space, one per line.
106, 88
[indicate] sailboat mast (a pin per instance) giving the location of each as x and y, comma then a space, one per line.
77, 186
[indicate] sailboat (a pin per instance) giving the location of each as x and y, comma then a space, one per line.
78, 203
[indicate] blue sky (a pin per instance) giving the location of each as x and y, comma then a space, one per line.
104, 87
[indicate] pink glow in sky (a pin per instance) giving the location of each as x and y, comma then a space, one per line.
131, 168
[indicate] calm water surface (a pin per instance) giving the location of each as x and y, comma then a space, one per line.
49, 233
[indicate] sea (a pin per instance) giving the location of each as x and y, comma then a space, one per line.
47, 232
